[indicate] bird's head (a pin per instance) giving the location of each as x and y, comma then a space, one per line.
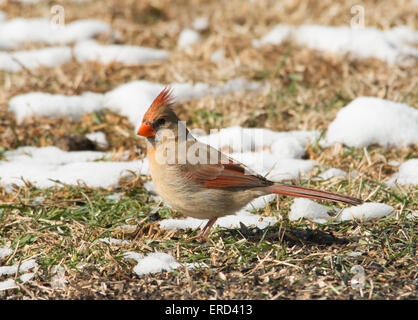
160, 115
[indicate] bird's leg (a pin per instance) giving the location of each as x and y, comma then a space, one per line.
207, 228
204, 232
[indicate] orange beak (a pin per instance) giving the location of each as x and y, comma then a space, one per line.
146, 130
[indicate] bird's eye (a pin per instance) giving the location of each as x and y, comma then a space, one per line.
159, 122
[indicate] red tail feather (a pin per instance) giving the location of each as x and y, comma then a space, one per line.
304, 192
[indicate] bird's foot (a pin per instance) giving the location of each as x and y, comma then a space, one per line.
198, 238
203, 235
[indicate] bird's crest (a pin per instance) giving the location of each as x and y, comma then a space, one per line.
164, 99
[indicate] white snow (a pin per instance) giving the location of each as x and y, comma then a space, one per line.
17, 31
5, 252
390, 45
42, 165
394, 163
26, 277
114, 196
51, 155
218, 55
277, 35
32, 59
99, 138
354, 254
289, 147
412, 215
366, 211
408, 173
157, 262
200, 24
94, 174
24, 266
149, 186
127, 227
114, 241
305, 208
134, 98
332, 172
233, 221
90, 50
54, 105
131, 99
8, 284
38, 200
260, 202
369, 120
188, 37
133, 255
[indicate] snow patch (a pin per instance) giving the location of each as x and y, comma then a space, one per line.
305, 208
187, 38
218, 55
54, 105
331, 173
8, 284
24, 266
90, 50
42, 166
99, 138
200, 24
33, 59
114, 196
390, 45
408, 174
26, 277
243, 216
369, 120
5, 252
113, 241
131, 99
157, 262
134, 98
366, 211
17, 31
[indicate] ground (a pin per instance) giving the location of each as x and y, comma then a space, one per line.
290, 260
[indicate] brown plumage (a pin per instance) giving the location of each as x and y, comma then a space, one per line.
215, 185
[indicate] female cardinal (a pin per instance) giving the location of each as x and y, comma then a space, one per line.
200, 181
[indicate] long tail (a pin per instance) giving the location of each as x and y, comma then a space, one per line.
304, 192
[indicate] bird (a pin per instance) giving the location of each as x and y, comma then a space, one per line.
201, 181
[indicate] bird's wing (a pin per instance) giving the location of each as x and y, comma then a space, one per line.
227, 174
